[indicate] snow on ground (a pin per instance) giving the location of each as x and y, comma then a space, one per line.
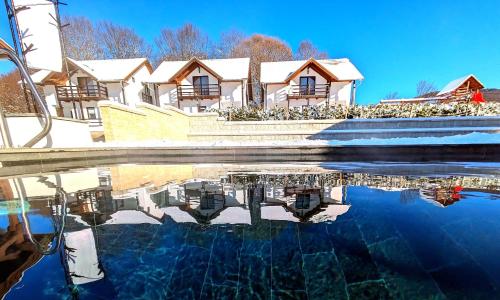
471, 138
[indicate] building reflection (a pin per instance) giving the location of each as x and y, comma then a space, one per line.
215, 195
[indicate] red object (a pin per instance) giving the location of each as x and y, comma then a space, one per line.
457, 189
478, 97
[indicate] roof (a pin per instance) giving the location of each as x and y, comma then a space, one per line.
40, 76
228, 69
278, 213
109, 69
278, 72
455, 84
105, 70
233, 215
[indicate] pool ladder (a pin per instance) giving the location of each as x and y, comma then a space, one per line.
7, 52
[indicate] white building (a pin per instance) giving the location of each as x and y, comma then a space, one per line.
119, 80
309, 82
198, 85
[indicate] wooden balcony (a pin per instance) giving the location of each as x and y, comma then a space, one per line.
84, 93
309, 91
190, 92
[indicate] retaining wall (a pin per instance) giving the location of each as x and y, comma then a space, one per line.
148, 122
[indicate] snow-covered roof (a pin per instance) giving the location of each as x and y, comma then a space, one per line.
131, 217
227, 69
109, 69
455, 84
277, 212
178, 215
233, 215
40, 76
278, 72
330, 213
106, 70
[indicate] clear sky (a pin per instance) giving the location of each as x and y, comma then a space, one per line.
393, 43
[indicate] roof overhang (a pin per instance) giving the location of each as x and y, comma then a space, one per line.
316, 66
191, 65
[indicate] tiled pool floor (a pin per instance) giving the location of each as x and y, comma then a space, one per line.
388, 245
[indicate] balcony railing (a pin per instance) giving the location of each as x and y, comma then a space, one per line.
88, 92
207, 91
309, 91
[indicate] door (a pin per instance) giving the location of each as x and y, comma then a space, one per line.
87, 86
200, 85
307, 85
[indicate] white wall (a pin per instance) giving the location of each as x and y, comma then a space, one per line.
276, 94
231, 93
64, 133
134, 86
50, 98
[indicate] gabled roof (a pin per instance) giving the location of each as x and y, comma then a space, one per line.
316, 66
105, 70
455, 84
281, 71
191, 65
227, 69
110, 70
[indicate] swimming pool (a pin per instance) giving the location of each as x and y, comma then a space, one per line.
225, 231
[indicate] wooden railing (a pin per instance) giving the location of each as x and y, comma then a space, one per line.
309, 91
206, 91
89, 92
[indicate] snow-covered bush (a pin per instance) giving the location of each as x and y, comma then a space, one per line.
362, 111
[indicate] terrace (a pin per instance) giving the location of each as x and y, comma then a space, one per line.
85, 92
317, 91
193, 92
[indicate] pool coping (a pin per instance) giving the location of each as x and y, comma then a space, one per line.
21, 161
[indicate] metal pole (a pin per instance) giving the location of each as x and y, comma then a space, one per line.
11, 15
43, 106
6, 138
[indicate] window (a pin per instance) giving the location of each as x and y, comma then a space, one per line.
202, 108
303, 201
200, 85
207, 201
307, 85
146, 94
91, 113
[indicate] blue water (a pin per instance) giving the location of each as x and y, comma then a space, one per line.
391, 243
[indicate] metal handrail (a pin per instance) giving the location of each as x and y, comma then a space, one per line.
59, 230
31, 85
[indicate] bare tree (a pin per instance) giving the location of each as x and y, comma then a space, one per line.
227, 43
391, 95
80, 39
425, 88
261, 48
121, 42
307, 50
11, 94
183, 43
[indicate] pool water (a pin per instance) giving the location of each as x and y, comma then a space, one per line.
253, 232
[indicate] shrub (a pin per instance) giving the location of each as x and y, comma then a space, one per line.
417, 110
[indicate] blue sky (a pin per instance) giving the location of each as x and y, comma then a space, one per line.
393, 43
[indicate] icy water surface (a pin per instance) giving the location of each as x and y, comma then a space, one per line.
253, 232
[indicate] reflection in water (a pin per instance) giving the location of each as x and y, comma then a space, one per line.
199, 195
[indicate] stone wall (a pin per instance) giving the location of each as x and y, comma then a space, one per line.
148, 122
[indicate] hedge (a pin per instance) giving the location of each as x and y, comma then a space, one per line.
417, 110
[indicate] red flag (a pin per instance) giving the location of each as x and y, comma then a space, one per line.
478, 97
